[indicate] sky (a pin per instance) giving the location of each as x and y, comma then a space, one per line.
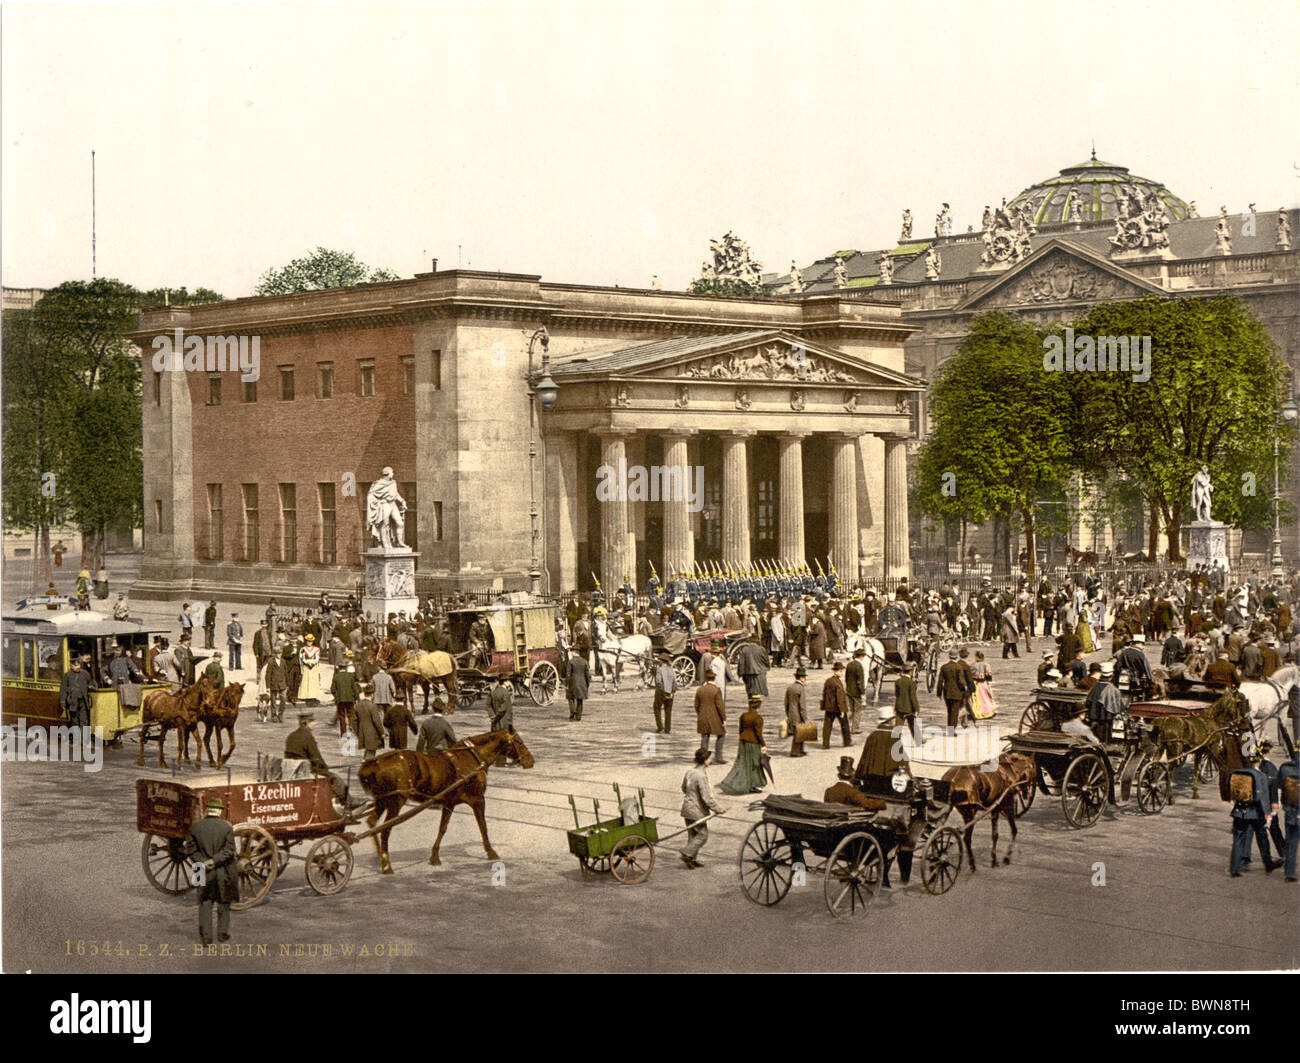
603, 143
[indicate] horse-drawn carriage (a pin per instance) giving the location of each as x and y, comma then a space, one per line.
687, 649
891, 652
892, 812
518, 642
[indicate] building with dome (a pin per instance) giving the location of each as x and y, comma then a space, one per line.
1092, 233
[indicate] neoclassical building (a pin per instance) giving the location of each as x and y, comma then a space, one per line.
790, 415
1094, 232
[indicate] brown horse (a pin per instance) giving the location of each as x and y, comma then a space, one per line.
393, 655
456, 775
179, 710
218, 712
1174, 737
975, 792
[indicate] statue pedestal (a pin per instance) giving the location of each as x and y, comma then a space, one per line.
390, 583
1207, 544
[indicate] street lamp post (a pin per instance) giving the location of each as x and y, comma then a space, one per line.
1290, 415
542, 390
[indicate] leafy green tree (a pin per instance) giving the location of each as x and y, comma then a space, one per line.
999, 440
1212, 398
318, 270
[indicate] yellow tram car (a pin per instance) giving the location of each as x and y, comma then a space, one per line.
38, 647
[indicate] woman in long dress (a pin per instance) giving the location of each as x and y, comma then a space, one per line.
982, 704
309, 662
1084, 630
746, 775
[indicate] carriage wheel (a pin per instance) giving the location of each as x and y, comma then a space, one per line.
941, 860
732, 653
329, 865
164, 864
631, 860
543, 682
257, 862
1205, 768
595, 865
1154, 787
932, 669
1037, 717
684, 670
853, 876
766, 864
1024, 797
1084, 790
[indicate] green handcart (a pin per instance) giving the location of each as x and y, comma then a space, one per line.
622, 847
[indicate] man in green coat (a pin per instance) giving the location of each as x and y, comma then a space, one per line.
211, 843
214, 672
345, 690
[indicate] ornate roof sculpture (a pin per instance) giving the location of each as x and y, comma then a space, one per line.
1094, 191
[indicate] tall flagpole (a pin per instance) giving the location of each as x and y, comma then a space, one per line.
92, 214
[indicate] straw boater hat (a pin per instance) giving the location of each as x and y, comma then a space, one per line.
309, 637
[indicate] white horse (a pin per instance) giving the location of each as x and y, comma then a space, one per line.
609, 651
873, 663
1269, 698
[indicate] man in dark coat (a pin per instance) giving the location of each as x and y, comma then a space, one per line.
1069, 643
345, 690
212, 841
261, 647
74, 695
435, 732
185, 662
906, 706
953, 685
752, 663
795, 713
368, 721
578, 683
214, 671
399, 721
501, 706
835, 704
276, 684
710, 713
300, 744
855, 685
209, 625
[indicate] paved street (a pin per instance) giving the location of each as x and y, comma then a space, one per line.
73, 881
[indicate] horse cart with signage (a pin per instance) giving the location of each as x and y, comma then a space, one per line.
515, 638
887, 814
685, 649
269, 817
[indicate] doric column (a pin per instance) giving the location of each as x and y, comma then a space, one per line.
735, 499
560, 494
791, 542
844, 507
616, 555
679, 542
897, 560
871, 507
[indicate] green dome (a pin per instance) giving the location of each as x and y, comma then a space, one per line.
1095, 184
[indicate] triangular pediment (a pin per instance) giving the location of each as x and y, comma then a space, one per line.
770, 356
1060, 272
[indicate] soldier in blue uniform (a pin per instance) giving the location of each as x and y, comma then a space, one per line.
627, 593
676, 587
806, 585
819, 584
747, 585
1288, 784
1251, 811
731, 587
832, 581
653, 590
597, 597
783, 583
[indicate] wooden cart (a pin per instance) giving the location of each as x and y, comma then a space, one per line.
623, 847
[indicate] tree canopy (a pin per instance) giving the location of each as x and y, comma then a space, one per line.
318, 270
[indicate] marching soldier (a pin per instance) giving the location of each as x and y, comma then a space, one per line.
654, 591
1251, 812
627, 593
1288, 783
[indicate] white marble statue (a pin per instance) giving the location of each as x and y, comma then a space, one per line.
906, 234
796, 277
1283, 230
1223, 232
1202, 489
886, 269
933, 263
840, 273
386, 511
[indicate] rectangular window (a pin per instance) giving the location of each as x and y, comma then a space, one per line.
252, 536
324, 380
214, 391
216, 531
157, 389
765, 522
289, 523
49, 659
437, 370
286, 383
437, 522
408, 376
328, 525
250, 390
11, 661
29, 658
366, 377
410, 525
